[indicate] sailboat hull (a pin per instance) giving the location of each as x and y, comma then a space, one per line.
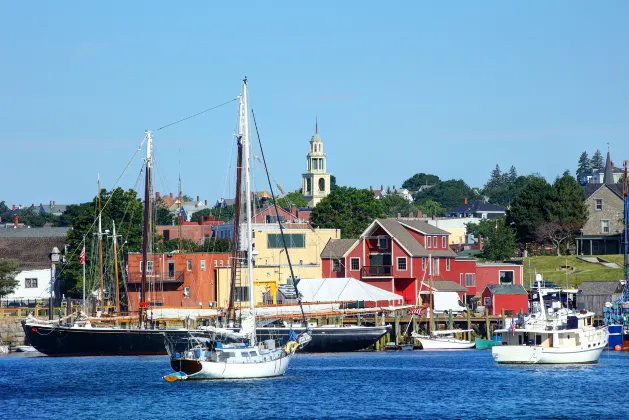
55, 340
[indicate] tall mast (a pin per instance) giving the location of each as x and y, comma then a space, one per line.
83, 261
116, 268
147, 216
626, 231
235, 248
100, 246
179, 215
247, 160
431, 325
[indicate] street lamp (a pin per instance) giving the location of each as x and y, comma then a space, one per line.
54, 259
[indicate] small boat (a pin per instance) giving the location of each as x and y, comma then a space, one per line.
25, 349
482, 343
176, 376
443, 340
557, 337
406, 347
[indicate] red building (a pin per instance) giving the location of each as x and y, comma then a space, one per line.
268, 215
397, 254
198, 232
176, 280
510, 298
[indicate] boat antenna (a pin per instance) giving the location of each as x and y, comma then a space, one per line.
277, 214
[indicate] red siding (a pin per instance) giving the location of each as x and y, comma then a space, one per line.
510, 303
490, 274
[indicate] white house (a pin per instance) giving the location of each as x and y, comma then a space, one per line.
33, 284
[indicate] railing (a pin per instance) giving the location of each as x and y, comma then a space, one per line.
156, 277
376, 271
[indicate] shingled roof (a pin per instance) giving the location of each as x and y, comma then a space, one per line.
476, 206
600, 287
423, 227
337, 248
592, 188
403, 237
506, 289
30, 253
43, 232
445, 286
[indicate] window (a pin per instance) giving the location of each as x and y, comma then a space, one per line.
383, 243
469, 280
487, 301
429, 242
435, 242
189, 265
604, 226
443, 241
354, 264
435, 268
202, 265
220, 263
599, 204
461, 279
30, 283
321, 184
401, 263
186, 292
171, 269
149, 266
242, 294
506, 277
424, 263
336, 265
448, 264
293, 240
215, 263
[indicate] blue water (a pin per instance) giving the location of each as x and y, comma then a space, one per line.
417, 385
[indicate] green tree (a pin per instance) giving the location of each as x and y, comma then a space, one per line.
30, 217
333, 185
5, 213
8, 270
597, 160
500, 242
217, 245
394, 204
530, 208
431, 208
123, 207
163, 217
584, 166
291, 198
348, 209
512, 176
448, 193
419, 180
483, 228
496, 179
226, 214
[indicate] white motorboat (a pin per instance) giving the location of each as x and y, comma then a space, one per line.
443, 340
557, 337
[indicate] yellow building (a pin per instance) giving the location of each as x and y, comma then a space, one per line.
271, 264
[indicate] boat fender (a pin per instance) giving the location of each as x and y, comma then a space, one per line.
290, 347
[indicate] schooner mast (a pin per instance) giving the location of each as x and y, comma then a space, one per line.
143, 302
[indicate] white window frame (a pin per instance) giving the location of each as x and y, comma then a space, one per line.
202, 265
598, 201
428, 241
444, 243
351, 264
26, 283
435, 266
447, 263
471, 276
399, 260
220, 263
150, 266
435, 242
512, 276
609, 226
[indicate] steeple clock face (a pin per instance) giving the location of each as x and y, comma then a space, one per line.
321, 184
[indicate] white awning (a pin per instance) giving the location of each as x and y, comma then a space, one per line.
342, 290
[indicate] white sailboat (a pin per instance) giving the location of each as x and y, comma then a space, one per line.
210, 357
557, 337
444, 339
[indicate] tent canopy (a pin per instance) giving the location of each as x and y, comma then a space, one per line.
342, 290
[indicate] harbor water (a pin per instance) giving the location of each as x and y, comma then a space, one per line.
417, 384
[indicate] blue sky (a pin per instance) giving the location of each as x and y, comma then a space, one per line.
450, 88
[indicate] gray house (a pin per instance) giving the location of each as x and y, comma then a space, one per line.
594, 295
477, 208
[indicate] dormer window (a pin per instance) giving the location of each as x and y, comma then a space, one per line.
443, 241
599, 204
383, 243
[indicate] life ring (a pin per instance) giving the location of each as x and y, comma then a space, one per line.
290, 347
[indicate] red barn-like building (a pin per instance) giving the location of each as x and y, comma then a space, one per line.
511, 298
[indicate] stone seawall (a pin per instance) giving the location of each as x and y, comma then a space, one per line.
11, 331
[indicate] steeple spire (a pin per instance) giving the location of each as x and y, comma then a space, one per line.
608, 177
316, 124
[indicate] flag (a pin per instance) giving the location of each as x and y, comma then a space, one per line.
291, 335
415, 311
82, 256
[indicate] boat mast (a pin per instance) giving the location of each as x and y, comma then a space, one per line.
100, 246
147, 216
626, 231
83, 263
231, 313
116, 268
431, 325
247, 161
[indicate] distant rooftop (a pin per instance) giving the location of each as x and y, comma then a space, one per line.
24, 232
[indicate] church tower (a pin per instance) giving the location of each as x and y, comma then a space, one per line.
316, 181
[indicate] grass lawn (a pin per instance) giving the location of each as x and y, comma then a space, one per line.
579, 270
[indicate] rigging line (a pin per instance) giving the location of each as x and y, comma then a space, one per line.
197, 114
277, 214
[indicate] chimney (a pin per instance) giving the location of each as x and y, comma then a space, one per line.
205, 202
201, 220
198, 199
50, 204
381, 187
465, 200
171, 195
157, 195
54, 203
370, 188
15, 221
480, 242
613, 164
293, 210
399, 215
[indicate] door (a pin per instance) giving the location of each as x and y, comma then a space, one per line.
380, 264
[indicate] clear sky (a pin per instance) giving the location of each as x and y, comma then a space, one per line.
449, 88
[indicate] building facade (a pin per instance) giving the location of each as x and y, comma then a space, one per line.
316, 180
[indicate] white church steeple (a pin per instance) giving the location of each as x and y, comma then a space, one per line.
316, 180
